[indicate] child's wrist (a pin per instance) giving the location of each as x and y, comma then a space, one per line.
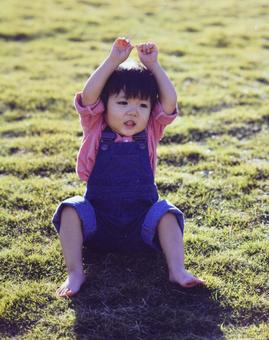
113, 64
153, 66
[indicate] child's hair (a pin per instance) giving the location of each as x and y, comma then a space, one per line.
136, 81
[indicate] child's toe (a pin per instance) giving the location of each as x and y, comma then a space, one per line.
69, 293
61, 291
195, 282
64, 292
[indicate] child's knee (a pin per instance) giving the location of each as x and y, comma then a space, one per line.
168, 218
167, 221
69, 214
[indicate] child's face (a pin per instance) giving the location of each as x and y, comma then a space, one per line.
127, 116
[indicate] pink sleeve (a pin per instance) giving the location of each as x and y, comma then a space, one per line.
91, 119
90, 114
159, 120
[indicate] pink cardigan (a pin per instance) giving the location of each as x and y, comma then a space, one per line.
93, 123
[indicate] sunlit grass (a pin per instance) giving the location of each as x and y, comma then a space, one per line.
213, 164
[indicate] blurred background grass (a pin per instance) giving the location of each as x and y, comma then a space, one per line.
213, 164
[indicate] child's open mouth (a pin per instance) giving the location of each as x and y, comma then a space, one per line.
130, 123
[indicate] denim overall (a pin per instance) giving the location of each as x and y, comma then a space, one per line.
120, 209
121, 189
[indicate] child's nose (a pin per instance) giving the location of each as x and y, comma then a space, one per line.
133, 110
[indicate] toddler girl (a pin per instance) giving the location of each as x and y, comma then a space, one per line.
123, 113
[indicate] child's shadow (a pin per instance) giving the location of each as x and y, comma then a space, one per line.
130, 297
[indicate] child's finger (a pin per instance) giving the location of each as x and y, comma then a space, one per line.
150, 44
150, 47
122, 42
146, 48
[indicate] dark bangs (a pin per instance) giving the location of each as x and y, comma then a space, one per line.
135, 82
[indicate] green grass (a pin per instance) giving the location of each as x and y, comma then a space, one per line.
213, 165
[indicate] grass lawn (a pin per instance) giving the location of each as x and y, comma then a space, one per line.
213, 165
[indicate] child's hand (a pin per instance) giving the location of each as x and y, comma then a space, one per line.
121, 50
147, 53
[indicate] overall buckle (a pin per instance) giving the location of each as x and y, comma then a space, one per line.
141, 139
107, 138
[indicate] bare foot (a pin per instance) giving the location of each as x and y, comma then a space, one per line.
71, 285
185, 279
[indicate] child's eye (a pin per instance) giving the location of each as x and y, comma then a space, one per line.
144, 106
122, 102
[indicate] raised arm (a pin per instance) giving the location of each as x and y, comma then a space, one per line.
120, 51
148, 54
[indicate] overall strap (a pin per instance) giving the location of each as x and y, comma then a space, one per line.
107, 138
141, 139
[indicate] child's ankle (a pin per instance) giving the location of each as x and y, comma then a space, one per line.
177, 269
76, 271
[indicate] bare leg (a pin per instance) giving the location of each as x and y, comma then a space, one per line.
171, 241
71, 242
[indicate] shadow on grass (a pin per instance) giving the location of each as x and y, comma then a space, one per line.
130, 297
